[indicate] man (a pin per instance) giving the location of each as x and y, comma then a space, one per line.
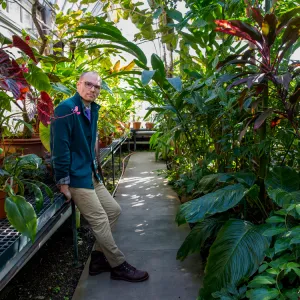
74, 161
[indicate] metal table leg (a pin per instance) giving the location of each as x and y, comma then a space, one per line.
120, 153
134, 141
75, 242
113, 166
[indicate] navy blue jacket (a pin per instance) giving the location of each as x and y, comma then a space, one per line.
72, 143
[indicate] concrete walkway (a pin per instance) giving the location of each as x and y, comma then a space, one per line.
147, 234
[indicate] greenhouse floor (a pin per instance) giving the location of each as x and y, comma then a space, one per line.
149, 237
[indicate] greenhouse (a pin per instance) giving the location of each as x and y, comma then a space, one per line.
149, 150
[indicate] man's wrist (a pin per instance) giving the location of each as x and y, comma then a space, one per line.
63, 187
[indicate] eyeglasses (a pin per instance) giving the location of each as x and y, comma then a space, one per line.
89, 85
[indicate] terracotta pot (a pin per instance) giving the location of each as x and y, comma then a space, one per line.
149, 125
105, 141
24, 146
136, 125
102, 143
2, 202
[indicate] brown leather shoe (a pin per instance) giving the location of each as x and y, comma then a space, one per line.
128, 273
98, 263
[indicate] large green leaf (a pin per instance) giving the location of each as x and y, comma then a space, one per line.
48, 191
284, 178
37, 78
137, 50
38, 195
208, 182
212, 203
61, 88
45, 135
262, 294
258, 281
236, 254
140, 64
274, 231
29, 162
247, 178
286, 17
283, 198
105, 30
112, 46
129, 46
174, 14
157, 13
199, 234
157, 64
21, 215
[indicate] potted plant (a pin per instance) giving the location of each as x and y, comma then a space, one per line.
136, 123
149, 118
26, 86
106, 127
14, 179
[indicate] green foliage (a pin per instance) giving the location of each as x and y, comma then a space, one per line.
212, 203
284, 178
110, 33
283, 186
37, 78
21, 215
199, 234
279, 274
235, 255
45, 136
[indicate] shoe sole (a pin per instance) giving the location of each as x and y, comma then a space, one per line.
125, 279
99, 272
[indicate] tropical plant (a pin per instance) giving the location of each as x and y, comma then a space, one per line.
20, 212
234, 256
267, 72
279, 274
23, 79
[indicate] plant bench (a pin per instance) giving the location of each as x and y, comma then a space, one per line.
141, 134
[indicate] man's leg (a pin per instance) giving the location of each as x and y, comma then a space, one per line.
89, 205
124, 271
110, 205
93, 213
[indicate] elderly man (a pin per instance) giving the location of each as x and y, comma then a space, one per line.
74, 160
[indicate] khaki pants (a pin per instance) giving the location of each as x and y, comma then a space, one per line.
101, 210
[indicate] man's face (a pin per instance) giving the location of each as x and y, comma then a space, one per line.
88, 87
